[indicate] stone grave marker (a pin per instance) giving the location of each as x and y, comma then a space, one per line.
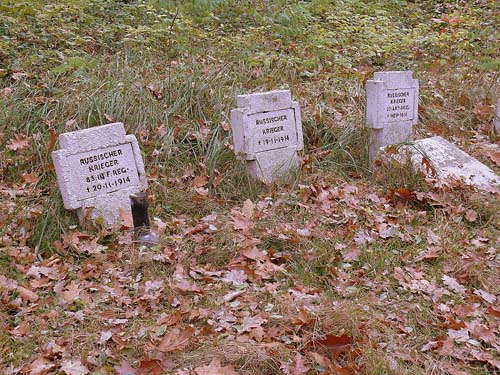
391, 109
444, 160
97, 171
267, 133
496, 121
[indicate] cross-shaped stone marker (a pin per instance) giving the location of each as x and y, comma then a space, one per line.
391, 109
267, 133
97, 171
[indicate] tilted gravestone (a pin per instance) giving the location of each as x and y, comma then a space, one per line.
267, 133
97, 171
391, 109
440, 159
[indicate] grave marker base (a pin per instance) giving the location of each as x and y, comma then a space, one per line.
273, 165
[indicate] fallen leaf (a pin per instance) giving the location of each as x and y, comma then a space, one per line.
27, 294
471, 215
176, 339
453, 284
21, 330
235, 277
248, 208
150, 367
30, 178
459, 335
494, 310
215, 368
300, 367
127, 220
336, 344
483, 111
53, 135
253, 253
109, 118
250, 322
320, 359
495, 157
486, 357
19, 143
351, 253
200, 181
40, 366
71, 293
124, 368
488, 297
5, 92
186, 287
105, 336
74, 367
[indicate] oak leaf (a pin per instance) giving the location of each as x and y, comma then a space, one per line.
495, 157
185, 287
150, 367
27, 294
30, 178
336, 344
176, 339
471, 215
71, 293
124, 368
453, 284
40, 366
215, 368
18, 143
200, 181
74, 367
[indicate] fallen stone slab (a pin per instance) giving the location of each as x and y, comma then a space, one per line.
440, 159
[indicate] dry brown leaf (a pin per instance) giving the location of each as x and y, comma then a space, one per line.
19, 143
124, 368
40, 366
215, 368
248, 209
5, 92
53, 135
150, 367
351, 253
199, 181
127, 220
21, 330
253, 253
250, 322
320, 359
186, 287
453, 284
16, 76
71, 293
495, 157
73, 367
336, 344
176, 339
27, 294
488, 297
109, 118
30, 178
471, 215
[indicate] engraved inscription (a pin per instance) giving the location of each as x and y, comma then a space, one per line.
272, 130
104, 171
398, 105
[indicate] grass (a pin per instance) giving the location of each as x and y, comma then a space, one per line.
170, 70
